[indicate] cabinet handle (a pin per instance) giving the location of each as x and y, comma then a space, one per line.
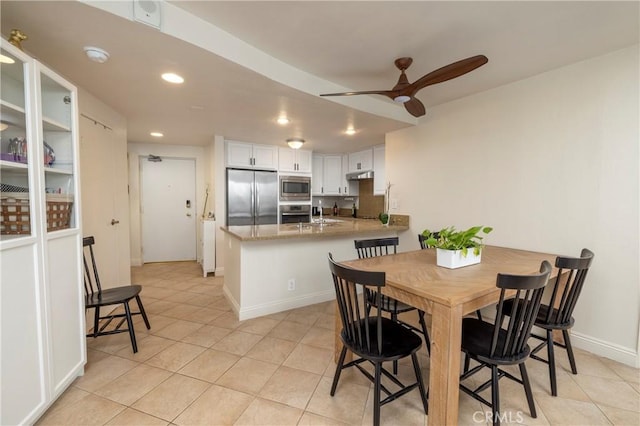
339, 190
345, 189
114, 222
322, 189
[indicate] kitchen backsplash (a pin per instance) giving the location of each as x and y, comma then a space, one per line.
370, 205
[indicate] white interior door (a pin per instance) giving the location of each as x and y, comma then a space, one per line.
105, 201
168, 210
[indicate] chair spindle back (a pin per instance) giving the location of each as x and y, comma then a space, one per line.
510, 341
572, 272
91, 280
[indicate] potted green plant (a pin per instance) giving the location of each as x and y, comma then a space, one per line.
454, 248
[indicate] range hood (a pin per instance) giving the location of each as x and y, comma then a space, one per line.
360, 175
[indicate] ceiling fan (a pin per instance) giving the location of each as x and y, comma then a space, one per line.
404, 92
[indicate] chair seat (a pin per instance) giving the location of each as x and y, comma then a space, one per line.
476, 338
397, 341
112, 296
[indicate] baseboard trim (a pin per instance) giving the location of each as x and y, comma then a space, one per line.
279, 306
219, 272
605, 349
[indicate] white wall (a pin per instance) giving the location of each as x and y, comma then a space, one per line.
551, 162
174, 151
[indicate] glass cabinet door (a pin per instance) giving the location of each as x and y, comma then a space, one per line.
58, 150
16, 151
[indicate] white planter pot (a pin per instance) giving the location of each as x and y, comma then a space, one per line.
454, 259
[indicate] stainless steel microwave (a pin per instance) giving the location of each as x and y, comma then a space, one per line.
295, 188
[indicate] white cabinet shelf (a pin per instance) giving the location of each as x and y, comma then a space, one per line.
40, 250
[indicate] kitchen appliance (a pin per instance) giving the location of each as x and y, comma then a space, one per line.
360, 175
295, 188
252, 197
295, 213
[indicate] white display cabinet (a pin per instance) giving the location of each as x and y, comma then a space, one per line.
42, 303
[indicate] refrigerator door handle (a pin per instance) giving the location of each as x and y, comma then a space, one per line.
256, 205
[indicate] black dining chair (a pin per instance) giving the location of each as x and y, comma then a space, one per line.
372, 338
96, 297
381, 247
496, 345
558, 313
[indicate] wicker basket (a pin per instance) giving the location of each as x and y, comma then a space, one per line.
15, 217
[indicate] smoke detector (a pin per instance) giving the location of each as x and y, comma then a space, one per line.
96, 54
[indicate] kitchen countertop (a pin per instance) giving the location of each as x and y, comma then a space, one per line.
342, 226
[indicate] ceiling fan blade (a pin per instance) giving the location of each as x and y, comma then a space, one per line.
389, 93
448, 72
415, 107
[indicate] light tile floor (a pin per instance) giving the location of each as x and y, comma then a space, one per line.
199, 365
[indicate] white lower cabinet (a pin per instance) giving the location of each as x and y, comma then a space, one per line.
42, 303
208, 246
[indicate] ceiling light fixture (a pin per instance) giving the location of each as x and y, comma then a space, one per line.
295, 143
96, 54
156, 134
6, 60
283, 120
350, 131
401, 99
172, 78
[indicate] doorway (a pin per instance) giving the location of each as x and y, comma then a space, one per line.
167, 208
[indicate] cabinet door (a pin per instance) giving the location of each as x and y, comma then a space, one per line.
361, 161
265, 157
286, 160
379, 178
332, 171
239, 154
304, 161
58, 121
348, 187
17, 147
317, 172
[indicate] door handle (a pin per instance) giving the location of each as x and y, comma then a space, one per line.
114, 222
188, 214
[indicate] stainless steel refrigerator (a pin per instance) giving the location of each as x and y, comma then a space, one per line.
252, 197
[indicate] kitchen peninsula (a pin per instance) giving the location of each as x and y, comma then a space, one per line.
274, 268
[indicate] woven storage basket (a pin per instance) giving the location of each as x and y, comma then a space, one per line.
15, 218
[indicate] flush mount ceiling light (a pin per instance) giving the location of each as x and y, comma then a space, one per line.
96, 54
3, 126
172, 78
295, 143
156, 134
283, 120
350, 131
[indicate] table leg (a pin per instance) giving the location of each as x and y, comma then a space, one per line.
444, 379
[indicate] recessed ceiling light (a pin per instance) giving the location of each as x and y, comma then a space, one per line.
350, 131
156, 134
172, 78
6, 60
282, 120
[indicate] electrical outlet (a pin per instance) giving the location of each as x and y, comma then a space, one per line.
291, 284
394, 203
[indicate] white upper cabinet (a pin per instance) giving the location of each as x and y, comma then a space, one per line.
379, 176
327, 175
294, 160
332, 175
361, 161
252, 156
317, 171
350, 188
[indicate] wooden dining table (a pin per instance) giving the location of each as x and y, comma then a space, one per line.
448, 295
